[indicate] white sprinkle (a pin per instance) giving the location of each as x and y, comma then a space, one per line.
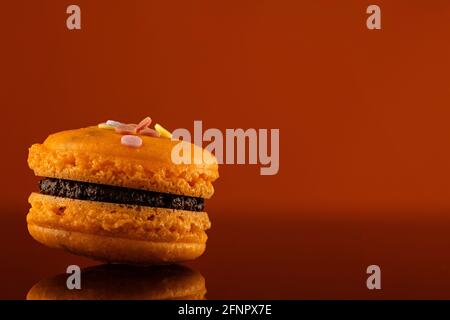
113, 123
131, 141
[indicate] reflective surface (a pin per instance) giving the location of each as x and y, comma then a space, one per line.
267, 256
122, 282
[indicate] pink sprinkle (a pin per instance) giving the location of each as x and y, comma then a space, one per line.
149, 132
144, 124
131, 141
126, 129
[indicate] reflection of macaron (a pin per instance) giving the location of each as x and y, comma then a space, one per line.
109, 201
121, 282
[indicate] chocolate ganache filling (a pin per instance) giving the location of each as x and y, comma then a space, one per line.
113, 194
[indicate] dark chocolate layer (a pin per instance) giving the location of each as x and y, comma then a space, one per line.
106, 193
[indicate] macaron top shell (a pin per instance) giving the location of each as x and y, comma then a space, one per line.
97, 155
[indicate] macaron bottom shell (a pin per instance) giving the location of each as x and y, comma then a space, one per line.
117, 233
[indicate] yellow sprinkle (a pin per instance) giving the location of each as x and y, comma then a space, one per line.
163, 132
105, 126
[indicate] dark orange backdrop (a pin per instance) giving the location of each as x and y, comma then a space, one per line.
363, 115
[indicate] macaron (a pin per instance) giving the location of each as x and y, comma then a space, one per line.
112, 200
122, 282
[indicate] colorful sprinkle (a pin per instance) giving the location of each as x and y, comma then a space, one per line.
144, 124
131, 131
105, 126
126, 129
131, 141
149, 132
162, 131
113, 123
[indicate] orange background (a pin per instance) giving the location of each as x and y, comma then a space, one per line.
363, 115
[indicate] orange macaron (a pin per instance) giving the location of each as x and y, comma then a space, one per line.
120, 200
